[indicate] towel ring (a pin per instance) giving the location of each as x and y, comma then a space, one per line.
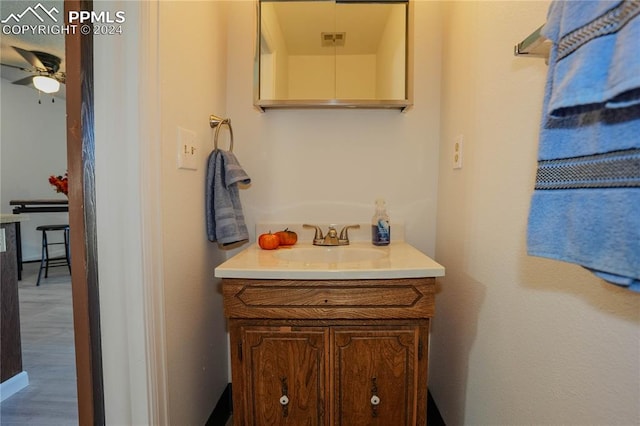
218, 122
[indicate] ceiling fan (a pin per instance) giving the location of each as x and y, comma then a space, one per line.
46, 75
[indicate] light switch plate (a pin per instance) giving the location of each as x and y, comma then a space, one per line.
457, 152
188, 151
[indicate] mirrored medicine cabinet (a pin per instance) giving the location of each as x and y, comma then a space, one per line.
333, 54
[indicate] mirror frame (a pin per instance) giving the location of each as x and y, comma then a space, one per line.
402, 104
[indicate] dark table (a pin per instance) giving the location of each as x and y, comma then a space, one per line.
10, 342
34, 206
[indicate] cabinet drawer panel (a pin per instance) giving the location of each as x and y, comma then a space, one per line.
410, 298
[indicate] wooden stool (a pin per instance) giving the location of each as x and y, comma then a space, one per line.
46, 261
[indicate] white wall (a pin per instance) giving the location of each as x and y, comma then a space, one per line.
516, 339
314, 166
330, 166
163, 330
33, 146
192, 75
119, 224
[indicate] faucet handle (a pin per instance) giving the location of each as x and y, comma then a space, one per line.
344, 234
318, 235
331, 239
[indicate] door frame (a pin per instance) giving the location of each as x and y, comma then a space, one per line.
82, 221
141, 396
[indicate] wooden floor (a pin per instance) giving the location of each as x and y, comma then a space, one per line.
48, 356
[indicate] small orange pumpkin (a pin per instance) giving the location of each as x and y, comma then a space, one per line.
268, 241
287, 238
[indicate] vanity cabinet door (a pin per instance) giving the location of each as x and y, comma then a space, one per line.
376, 375
285, 371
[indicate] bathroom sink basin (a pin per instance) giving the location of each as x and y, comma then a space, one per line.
337, 254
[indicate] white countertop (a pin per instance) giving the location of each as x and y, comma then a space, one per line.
400, 260
10, 218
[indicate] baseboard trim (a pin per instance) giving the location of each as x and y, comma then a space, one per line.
222, 411
13, 385
224, 408
433, 414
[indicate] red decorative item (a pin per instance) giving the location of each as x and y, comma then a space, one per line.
60, 183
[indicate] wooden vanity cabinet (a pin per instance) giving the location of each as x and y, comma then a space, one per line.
351, 352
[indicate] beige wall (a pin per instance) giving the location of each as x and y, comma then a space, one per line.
311, 76
330, 77
163, 330
516, 339
192, 75
391, 58
274, 85
330, 166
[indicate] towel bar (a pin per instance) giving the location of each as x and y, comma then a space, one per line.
535, 45
217, 123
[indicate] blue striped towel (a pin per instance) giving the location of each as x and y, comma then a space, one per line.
586, 205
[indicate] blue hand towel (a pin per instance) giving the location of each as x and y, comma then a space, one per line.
586, 205
225, 219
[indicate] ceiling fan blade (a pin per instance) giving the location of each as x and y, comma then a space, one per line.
24, 81
31, 58
16, 67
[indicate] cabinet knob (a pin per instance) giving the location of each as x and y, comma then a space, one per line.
284, 399
375, 399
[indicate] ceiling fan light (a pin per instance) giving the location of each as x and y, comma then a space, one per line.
46, 84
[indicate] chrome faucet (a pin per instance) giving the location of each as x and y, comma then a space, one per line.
332, 238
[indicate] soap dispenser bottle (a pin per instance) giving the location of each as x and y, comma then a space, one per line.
380, 228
